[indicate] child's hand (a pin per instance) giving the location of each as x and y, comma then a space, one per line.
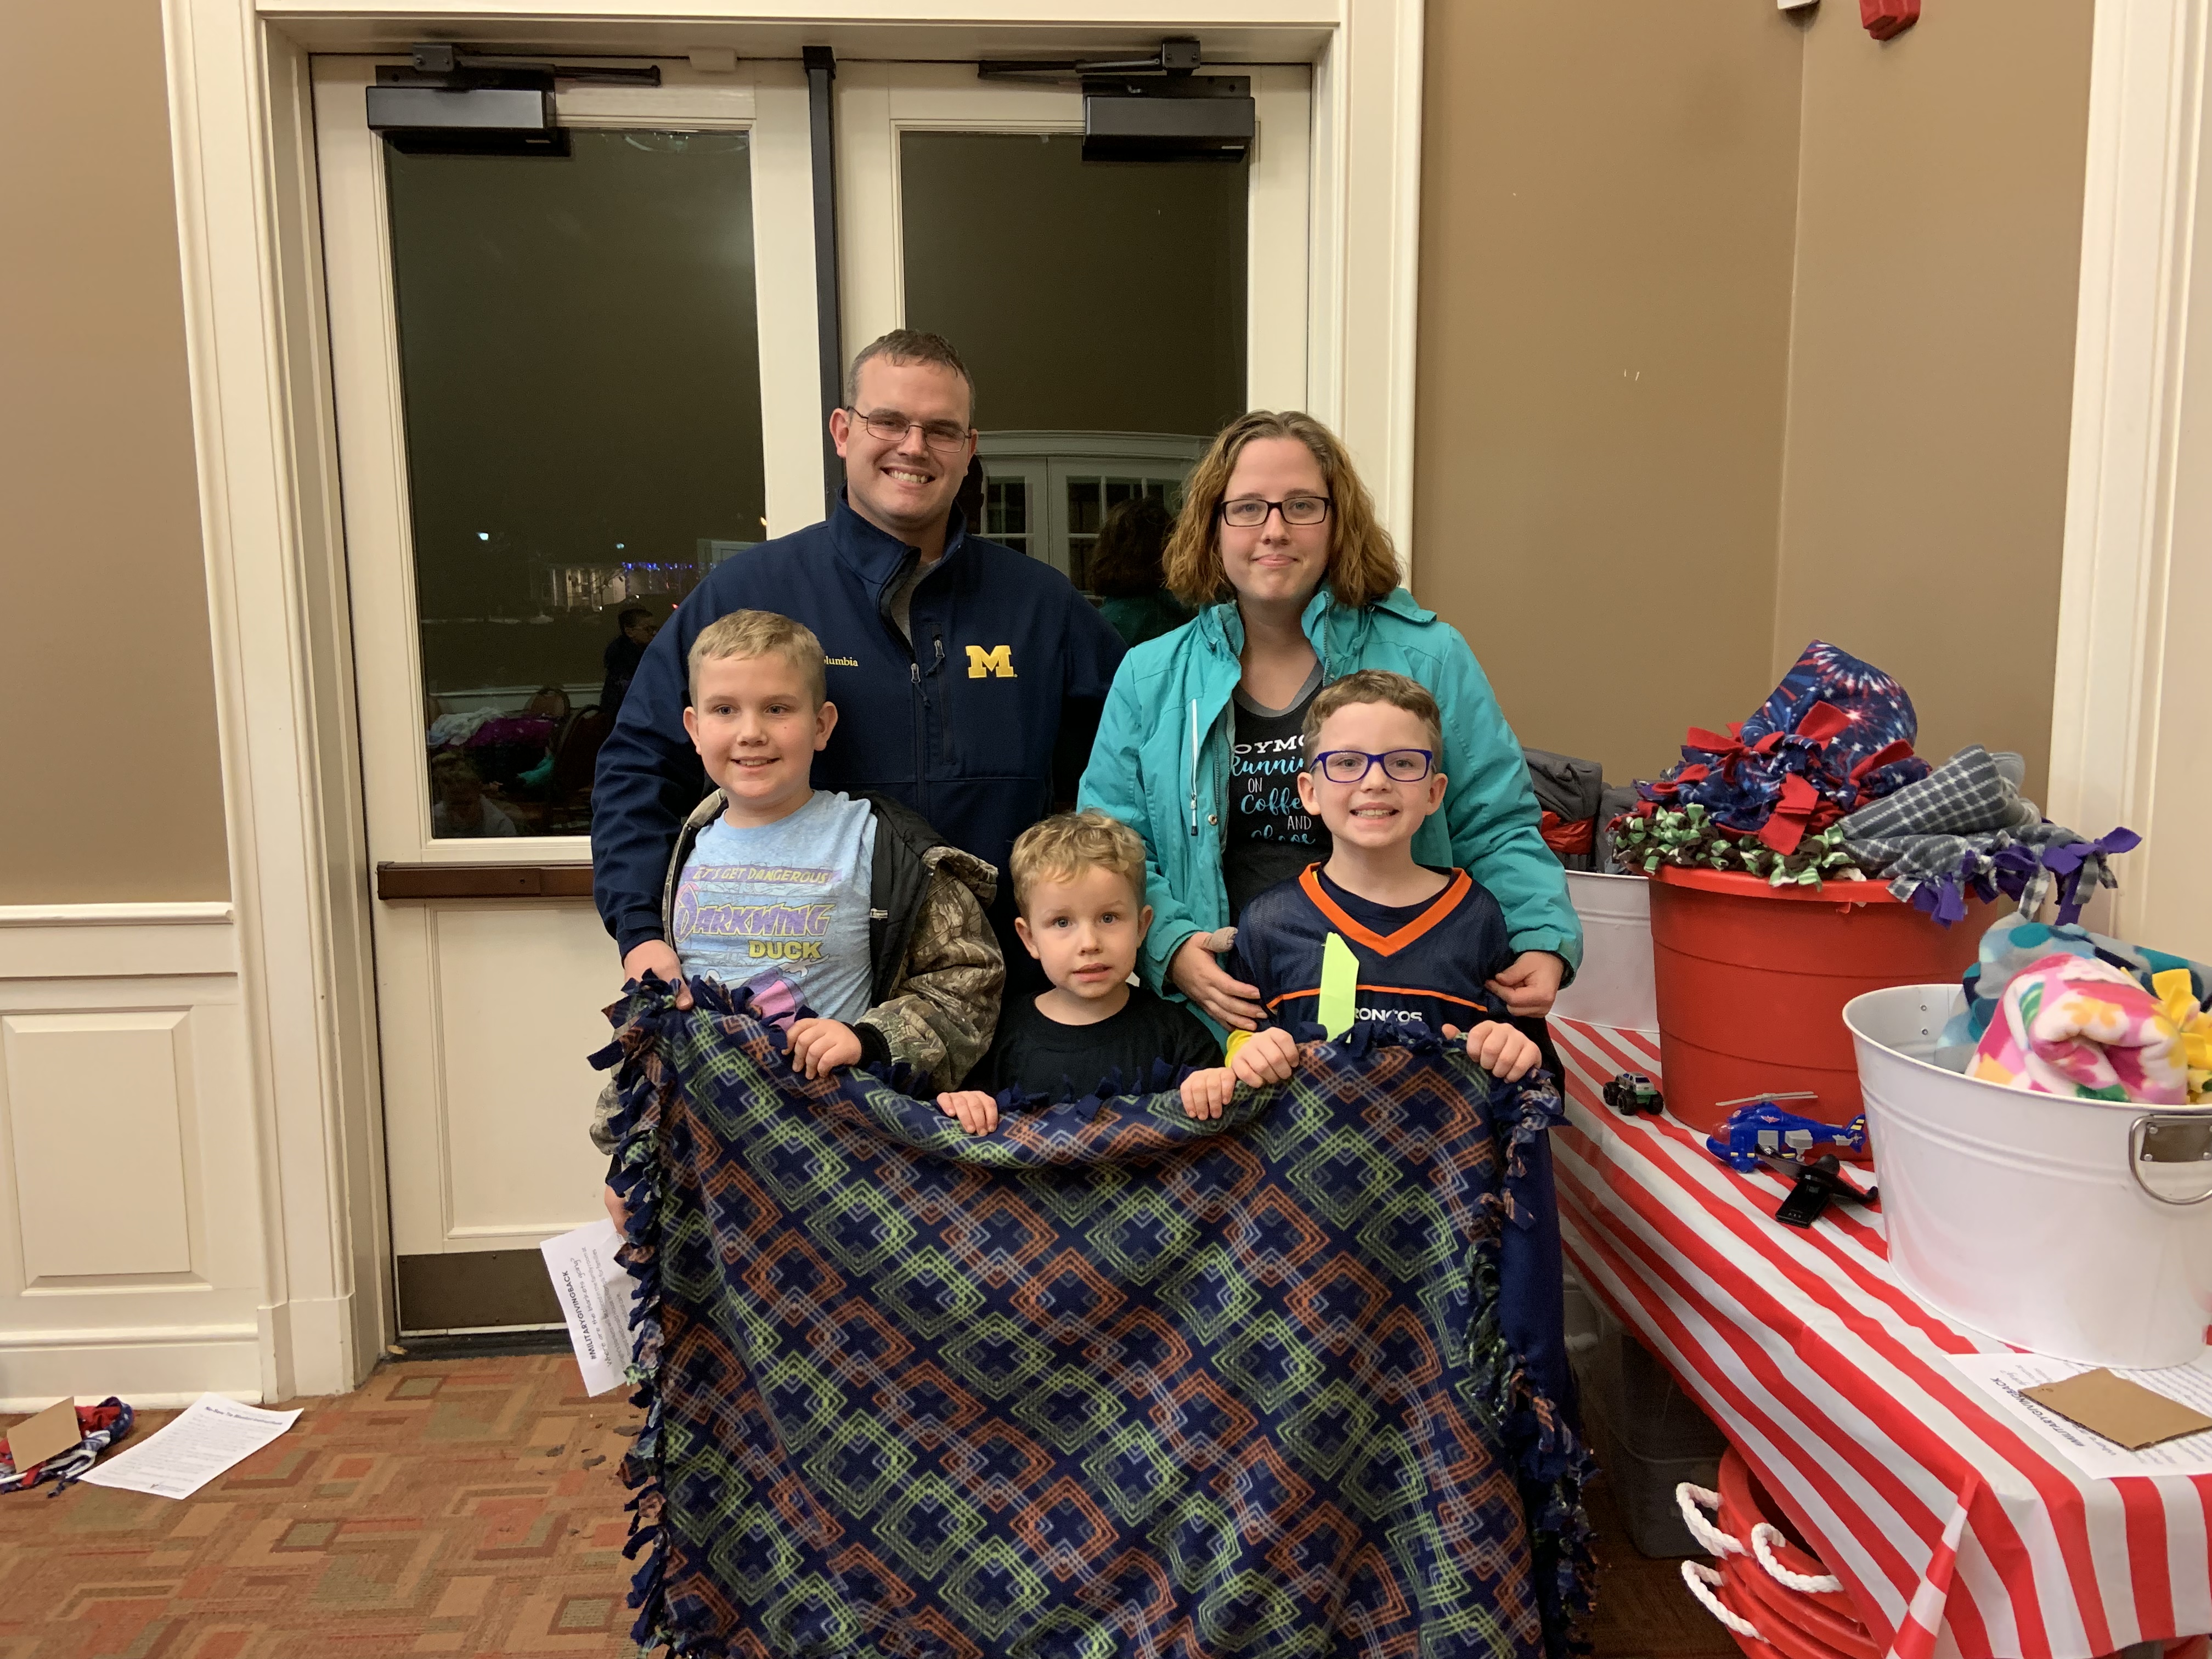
657, 955
1499, 1049
1269, 1056
617, 1212
1531, 984
1205, 1093
819, 1047
978, 1112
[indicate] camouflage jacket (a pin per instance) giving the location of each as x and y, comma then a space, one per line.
935, 970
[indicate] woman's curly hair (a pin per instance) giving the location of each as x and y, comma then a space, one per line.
1363, 565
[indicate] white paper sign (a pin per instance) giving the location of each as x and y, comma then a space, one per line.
2002, 1376
595, 1291
211, 1435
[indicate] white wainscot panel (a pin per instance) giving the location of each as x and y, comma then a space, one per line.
516, 1088
99, 1107
131, 1225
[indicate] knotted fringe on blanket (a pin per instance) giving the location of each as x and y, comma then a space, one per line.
1966, 828
1109, 1382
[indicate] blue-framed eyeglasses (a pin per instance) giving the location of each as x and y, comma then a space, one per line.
1399, 765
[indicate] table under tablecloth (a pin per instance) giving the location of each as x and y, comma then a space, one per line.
1956, 1529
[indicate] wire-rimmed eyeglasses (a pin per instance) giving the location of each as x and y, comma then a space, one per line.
893, 426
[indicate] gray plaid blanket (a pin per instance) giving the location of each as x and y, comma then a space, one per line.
1965, 826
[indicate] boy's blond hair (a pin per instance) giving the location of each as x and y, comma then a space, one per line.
760, 633
1375, 685
1062, 849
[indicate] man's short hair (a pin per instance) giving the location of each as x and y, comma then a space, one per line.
909, 345
1062, 849
1374, 685
760, 633
632, 616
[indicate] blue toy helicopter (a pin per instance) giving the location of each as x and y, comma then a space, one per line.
1761, 1128
1760, 1131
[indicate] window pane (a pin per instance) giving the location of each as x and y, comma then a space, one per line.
1116, 307
1084, 511
1007, 508
580, 370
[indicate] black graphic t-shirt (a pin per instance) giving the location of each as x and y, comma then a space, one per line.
1037, 1055
1269, 837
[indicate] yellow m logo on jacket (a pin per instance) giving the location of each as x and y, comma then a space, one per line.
999, 659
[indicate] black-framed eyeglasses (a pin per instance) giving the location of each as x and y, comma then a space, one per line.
893, 426
1250, 511
1399, 765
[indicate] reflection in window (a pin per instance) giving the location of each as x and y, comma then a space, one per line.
579, 367
1089, 502
1103, 318
1007, 513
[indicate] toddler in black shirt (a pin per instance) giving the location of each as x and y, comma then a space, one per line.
1079, 898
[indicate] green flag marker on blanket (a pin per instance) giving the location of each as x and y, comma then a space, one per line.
1339, 987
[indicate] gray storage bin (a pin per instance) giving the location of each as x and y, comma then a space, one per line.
1644, 1496
1651, 1436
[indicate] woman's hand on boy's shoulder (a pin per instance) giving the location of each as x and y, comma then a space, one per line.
1531, 984
978, 1112
1500, 1049
819, 1047
1199, 975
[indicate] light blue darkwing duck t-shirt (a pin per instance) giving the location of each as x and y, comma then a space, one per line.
789, 897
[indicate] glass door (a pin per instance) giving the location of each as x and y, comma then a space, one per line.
568, 384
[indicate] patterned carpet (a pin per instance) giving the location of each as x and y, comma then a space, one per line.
461, 1507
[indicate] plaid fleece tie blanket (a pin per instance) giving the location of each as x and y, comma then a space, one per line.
1965, 828
1108, 1383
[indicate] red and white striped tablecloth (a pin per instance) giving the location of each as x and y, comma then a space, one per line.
1957, 1532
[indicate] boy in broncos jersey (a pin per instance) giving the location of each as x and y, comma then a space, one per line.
1414, 943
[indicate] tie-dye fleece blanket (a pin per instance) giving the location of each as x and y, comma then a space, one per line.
1108, 1383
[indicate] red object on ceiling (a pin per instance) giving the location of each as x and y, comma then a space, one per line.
1884, 18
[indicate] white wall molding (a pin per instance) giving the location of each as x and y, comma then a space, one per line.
148, 1281
47, 942
243, 162
2138, 233
202, 912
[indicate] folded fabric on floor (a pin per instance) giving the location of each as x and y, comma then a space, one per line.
101, 1426
2070, 1025
1106, 1382
1965, 828
1835, 734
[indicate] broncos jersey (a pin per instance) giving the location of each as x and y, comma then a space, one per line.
1419, 962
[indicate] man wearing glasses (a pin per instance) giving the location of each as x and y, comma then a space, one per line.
952, 661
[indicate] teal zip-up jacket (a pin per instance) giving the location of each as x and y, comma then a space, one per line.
1161, 765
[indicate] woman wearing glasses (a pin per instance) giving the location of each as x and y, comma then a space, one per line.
1198, 749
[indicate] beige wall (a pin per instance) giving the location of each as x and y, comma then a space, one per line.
1607, 217
1932, 363
1645, 476
107, 729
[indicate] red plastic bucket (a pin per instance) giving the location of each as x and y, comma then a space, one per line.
1752, 980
